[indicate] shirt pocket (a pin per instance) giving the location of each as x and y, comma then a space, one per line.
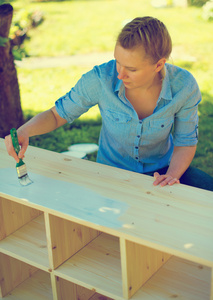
158, 130
117, 117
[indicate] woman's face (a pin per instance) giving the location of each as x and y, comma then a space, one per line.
134, 68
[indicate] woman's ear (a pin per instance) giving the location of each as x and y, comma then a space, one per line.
160, 64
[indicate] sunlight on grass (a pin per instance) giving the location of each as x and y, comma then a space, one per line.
51, 83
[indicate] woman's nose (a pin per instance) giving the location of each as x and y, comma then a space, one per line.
121, 73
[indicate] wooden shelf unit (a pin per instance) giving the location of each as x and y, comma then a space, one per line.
51, 254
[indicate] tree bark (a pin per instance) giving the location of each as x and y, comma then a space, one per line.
10, 105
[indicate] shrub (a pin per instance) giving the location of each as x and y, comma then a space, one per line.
208, 11
198, 3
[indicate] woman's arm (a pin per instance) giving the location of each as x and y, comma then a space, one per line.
181, 159
40, 124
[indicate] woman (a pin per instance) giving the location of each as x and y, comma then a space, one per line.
141, 99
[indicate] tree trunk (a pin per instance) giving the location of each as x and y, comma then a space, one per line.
10, 106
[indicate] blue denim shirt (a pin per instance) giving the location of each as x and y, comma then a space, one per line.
126, 141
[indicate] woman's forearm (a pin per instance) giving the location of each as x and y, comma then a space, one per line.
42, 123
181, 159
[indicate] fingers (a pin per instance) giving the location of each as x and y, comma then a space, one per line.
10, 149
164, 179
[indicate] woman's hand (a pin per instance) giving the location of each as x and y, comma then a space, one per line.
164, 179
23, 142
180, 161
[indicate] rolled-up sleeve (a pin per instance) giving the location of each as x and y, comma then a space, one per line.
186, 119
80, 98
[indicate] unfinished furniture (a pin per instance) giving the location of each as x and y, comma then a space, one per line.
87, 231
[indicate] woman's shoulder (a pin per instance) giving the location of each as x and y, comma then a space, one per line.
180, 77
175, 71
107, 68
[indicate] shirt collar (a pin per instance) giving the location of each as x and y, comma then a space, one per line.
166, 92
118, 85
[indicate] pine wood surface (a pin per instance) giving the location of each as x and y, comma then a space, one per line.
177, 220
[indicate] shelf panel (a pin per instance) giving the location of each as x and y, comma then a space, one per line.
28, 244
97, 266
179, 279
36, 287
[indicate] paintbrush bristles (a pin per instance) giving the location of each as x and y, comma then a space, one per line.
22, 175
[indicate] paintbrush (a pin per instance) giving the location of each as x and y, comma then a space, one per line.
20, 166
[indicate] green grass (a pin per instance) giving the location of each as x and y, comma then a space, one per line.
74, 27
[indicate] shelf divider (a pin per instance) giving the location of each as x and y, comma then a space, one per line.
138, 264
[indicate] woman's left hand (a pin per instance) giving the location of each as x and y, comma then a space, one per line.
164, 179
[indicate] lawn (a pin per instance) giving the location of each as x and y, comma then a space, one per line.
79, 27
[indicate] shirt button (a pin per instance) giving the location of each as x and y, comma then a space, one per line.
138, 136
136, 157
136, 147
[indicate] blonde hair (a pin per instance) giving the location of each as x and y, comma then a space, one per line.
150, 33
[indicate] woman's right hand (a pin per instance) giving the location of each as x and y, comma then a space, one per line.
23, 142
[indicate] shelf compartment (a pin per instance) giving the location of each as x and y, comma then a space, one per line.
68, 290
37, 287
139, 264
28, 244
14, 215
180, 279
66, 238
12, 273
97, 267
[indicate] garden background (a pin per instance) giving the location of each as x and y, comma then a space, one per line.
75, 35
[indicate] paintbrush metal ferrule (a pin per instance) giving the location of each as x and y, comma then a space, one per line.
21, 171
